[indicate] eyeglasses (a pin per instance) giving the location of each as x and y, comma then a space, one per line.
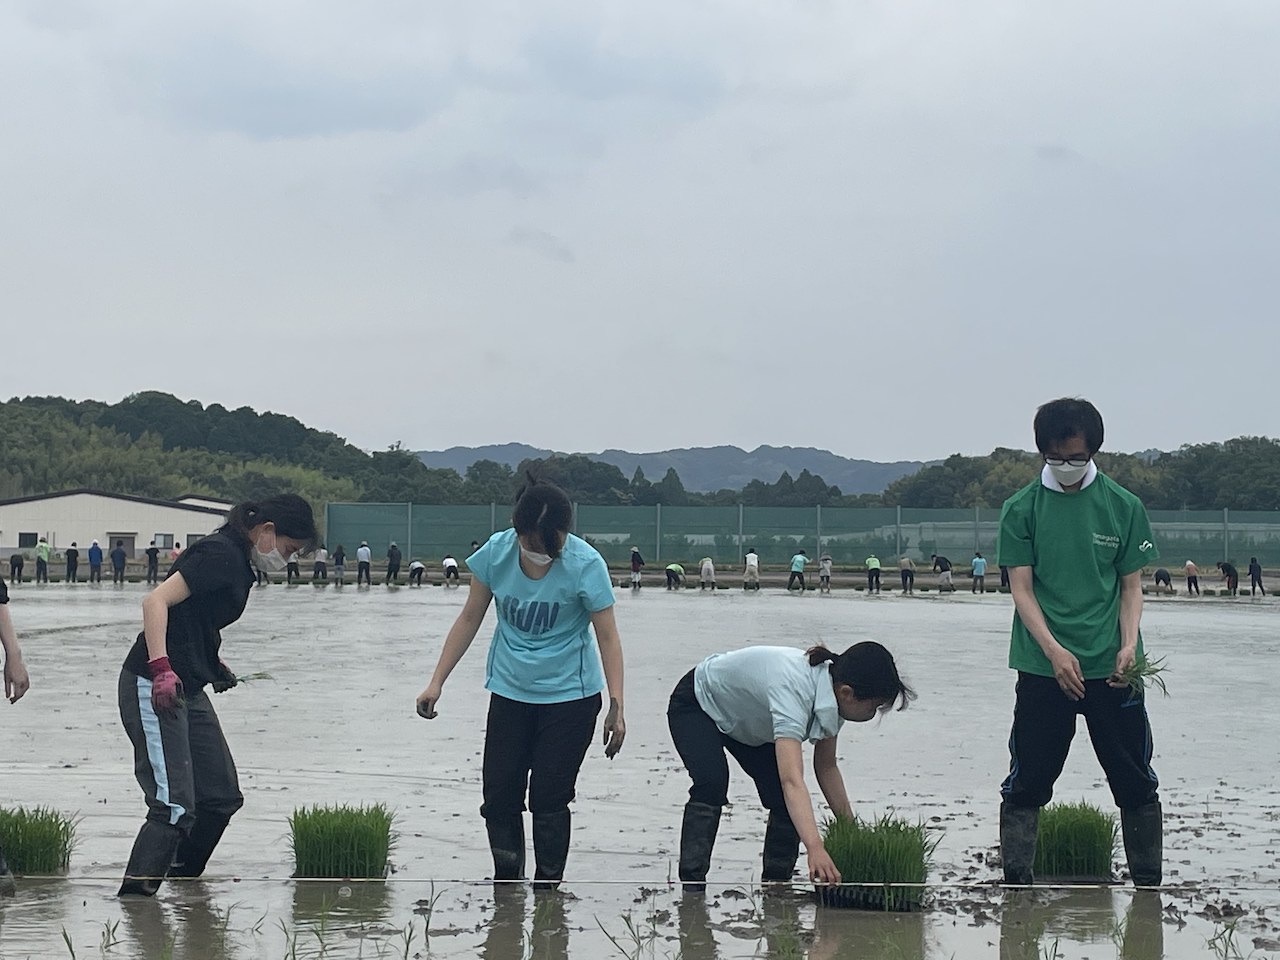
1060, 462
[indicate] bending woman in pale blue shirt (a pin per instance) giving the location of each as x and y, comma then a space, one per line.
544, 675
759, 704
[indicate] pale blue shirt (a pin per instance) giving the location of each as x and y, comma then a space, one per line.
761, 694
979, 566
543, 650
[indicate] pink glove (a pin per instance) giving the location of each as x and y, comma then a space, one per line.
166, 688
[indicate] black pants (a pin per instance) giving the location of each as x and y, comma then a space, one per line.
1193, 586
673, 579
796, 577
117, 574
873, 580
535, 749
320, 571
42, 571
415, 575
15, 572
393, 571
362, 573
451, 573
95, 573
1256, 584
1044, 722
153, 572
704, 749
198, 770
908, 579
1004, 578
292, 571
1233, 584
71, 571
979, 583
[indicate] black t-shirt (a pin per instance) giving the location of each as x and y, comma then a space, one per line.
393, 556
218, 574
1163, 574
941, 564
1255, 570
339, 558
17, 560
72, 555
118, 557
153, 556
1229, 570
4, 593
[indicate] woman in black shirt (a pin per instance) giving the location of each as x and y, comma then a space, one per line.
181, 759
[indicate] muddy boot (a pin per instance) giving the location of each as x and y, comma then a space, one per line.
550, 847
149, 862
781, 849
1019, 828
7, 886
697, 837
506, 843
1143, 831
196, 848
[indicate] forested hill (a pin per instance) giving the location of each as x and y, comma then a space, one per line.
155, 445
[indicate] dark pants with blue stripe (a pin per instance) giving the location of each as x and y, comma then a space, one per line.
1044, 723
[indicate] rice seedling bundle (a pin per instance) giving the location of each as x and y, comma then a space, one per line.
341, 841
885, 851
1145, 672
37, 840
1076, 841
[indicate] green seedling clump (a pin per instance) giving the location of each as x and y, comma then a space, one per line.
341, 842
1076, 841
37, 841
886, 851
1143, 672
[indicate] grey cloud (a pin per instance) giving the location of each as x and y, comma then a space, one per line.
478, 174
1057, 153
541, 242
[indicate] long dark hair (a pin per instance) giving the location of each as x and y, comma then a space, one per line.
289, 512
869, 669
543, 510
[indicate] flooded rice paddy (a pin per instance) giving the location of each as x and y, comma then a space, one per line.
337, 724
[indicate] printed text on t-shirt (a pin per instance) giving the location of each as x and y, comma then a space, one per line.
534, 616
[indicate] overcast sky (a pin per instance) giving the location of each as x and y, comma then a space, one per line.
888, 228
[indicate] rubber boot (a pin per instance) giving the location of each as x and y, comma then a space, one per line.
7, 886
1143, 832
550, 847
781, 849
1019, 828
150, 860
697, 838
506, 843
196, 848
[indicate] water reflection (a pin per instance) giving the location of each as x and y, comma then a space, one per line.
1036, 923
694, 926
345, 903
547, 937
842, 933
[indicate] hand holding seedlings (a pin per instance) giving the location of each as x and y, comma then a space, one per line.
1124, 663
225, 679
1139, 673
615, 729
822, 869
427, 701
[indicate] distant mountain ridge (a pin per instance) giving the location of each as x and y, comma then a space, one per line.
705, 469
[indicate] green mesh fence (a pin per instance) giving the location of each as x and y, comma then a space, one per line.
849, 534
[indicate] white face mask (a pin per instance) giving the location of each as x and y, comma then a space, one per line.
269, 561
1067, 474
538, 559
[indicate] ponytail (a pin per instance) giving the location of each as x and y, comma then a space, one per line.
290, 513
869, 669
542, 510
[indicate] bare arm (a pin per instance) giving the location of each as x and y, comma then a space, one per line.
1066, 668
16, 680
1130, 618
615, 727
790, 754
827, 772
456, 644
155, 613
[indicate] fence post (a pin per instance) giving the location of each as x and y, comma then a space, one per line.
327, 528
575, 518
408, 540
1226, 536
739, 530
897, 530
977, 530
819, 509
657, 524
493, 518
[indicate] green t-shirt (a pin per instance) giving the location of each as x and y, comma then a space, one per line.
42, 551
1078, 545
873, 563
676, 568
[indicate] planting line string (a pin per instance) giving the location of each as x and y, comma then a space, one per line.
666, 882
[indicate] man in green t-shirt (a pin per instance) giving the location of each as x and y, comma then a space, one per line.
1075, 543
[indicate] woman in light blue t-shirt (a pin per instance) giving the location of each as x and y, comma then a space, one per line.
545, 674
759, 704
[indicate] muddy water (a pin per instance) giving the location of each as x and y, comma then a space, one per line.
337, 725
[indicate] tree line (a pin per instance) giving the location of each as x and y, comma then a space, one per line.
155, 445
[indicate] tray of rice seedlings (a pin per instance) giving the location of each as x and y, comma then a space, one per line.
1075, 844
38, 840
891, 852
1143, 673
342, 842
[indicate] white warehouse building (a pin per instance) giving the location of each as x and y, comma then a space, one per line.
86, 515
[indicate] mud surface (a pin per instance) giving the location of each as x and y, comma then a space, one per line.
337, 725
